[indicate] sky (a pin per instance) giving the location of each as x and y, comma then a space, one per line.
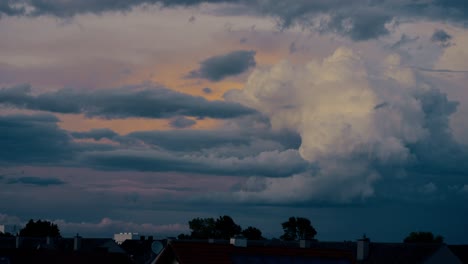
137, 116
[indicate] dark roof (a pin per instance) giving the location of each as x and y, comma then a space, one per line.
28, 256
402, 253
139, 250
189, 252
461, 251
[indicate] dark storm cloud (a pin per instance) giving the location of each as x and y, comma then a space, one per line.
33, 139
189, 140
61, 8
219, 67
271, 164
442, 38
360, 20
149, 102
181, 122
38, 181
195, 140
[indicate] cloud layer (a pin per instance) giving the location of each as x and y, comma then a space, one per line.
358, 20
137, 101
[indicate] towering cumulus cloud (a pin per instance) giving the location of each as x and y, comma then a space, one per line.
356, 124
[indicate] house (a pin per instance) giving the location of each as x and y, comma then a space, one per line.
239, 251
18, 250
404, 253
271, 251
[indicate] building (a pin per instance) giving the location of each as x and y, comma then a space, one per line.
121, 237
271, 251
77, 250
242, 251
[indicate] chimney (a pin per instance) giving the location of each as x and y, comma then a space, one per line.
304, 243
238, 241
77, 243
18, 241
362, 248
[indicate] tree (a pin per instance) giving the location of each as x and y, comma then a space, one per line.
423, 237
298, 228
202, 228
183, 236
40, 229
252, 233
222, 228
225, 227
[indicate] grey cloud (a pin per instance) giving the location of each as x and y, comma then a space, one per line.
272, 163
360, 20
219, 67
33, 139
442, 38
38, 181
196, 140
71, 8
189, 140
7, 8
95, 134
139, 101
439, 70
181, 122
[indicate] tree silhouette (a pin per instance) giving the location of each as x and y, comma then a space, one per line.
222, 228
423, 237
225, 227
202, 228
298, 228
40, 229
252, 233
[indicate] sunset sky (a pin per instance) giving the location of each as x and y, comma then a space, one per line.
137, 116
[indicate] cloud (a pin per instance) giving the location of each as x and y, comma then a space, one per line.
442, 38
95, 134
111, 226
181, 122
358, 125
136, 101
359, 20
33, 139
219, 67
428, 188
38, 181
404, 40
268, 163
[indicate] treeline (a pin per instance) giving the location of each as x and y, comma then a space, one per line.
224, 227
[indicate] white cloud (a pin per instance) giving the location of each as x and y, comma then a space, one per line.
351, 118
